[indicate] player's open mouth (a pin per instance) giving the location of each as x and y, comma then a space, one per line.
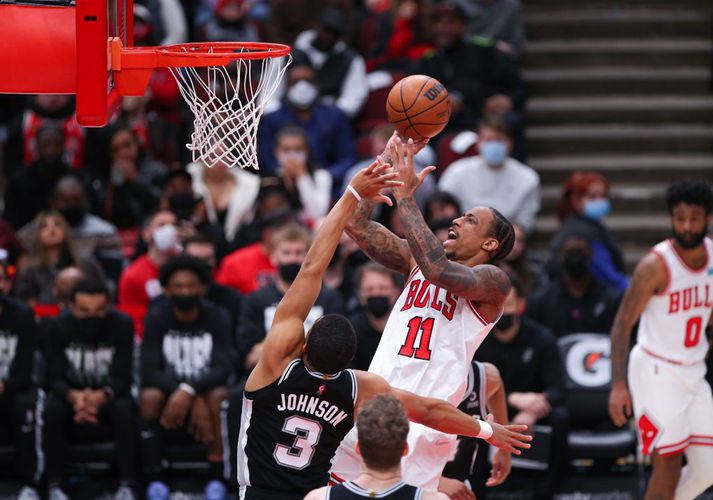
452, 235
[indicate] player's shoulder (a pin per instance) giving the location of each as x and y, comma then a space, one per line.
317, 494
433, 495
652, 262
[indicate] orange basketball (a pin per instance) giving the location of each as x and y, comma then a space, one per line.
418, 106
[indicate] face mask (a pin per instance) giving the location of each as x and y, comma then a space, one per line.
690, 240
90, 326
494, 152
117, 178
185, 302
378, 306
505, 322
74, 215
302, 94
288, 272
596, 209
299, 156
576, 265
165, 238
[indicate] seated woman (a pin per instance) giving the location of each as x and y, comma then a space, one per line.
49, 252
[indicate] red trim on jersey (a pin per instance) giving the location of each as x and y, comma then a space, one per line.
412, 274
683, 263
667, 360
475, 311
668, 272
693, 440
335, 479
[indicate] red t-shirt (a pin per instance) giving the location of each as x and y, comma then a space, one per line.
246, 269
138, 284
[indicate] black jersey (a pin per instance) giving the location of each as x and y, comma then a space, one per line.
291, 429
349, 490
474, 403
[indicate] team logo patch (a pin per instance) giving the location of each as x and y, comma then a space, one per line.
588, 362
648, 433
321, 389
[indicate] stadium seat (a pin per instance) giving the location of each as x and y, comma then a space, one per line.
454, 146
586, 357
373, 113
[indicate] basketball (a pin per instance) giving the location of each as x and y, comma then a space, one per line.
418, 106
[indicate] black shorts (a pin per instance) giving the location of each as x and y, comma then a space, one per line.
252, 493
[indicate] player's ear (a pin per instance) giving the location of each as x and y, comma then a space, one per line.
405, 450
490, 245
357, 448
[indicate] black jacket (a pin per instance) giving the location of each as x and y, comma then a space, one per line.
17, 345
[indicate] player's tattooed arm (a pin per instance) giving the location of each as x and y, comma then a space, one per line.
380, 244
483, 283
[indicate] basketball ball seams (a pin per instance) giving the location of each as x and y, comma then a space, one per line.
420, 112
427, 111
416, 97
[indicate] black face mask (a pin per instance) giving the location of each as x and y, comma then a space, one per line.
378, 306
576, 265
74, 215
505, 322
185, 302
288, 272
90, 327
357, 258
691, 241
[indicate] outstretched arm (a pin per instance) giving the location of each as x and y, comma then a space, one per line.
483, 283
285, 339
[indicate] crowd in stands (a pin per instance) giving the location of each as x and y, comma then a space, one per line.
112, 238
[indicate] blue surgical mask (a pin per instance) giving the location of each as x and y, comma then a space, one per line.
494, 152
597, 208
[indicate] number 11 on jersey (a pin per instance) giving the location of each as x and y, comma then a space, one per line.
425, 326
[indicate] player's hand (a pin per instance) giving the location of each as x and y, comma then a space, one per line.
502, 463
456, 490
386, 155
174, 414
403, 165
199, 425
619, 403
369, 181
509, 437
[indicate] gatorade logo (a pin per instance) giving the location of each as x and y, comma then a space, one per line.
434, 92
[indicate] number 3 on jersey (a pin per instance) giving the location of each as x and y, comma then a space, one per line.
425, 326
299, 455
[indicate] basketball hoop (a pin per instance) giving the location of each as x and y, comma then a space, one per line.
225, 84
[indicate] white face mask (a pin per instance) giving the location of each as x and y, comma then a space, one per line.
286, 156
302, 94
165, 238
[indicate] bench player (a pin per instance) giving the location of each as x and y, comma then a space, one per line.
299, 400
452, 298
671, 294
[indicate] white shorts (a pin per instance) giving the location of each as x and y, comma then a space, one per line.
429, 452
673, 404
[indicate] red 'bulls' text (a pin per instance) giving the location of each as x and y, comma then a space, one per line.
690, 298
421, 295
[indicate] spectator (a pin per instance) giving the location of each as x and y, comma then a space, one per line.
528, 359
326, 126
230, 23
185, 364
132, 188
308, 187
250, 268
89, 365
157, 137
65, 282
229, 195
583, 207
498, 21
10, 242
480, 79
528, 265
139, 282
51, 249
377, 288
575, 301
339, 275
441, 206
288, 249
28, 190
341, 72
502, 182
91, 235
17, 403
401, 36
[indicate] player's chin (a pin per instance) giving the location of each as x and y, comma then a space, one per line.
450, 247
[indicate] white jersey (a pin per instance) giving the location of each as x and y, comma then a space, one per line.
673, 324
429, 341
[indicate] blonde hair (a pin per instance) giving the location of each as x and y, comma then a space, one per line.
38, 254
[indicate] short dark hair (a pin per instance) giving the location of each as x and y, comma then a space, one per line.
691, 192
497, 123
184, 263
372, 267
331, 344
292, 131
501, 229
382, 429
89, 286
516, 281
200, 239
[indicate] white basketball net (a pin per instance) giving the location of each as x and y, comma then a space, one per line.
227, 102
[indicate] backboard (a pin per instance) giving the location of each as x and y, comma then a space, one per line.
59, 47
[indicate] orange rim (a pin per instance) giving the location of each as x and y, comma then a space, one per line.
208, 51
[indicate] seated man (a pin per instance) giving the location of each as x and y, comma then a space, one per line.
574, 301
89, 365
528, 359
382, 427
185, 364
17, 345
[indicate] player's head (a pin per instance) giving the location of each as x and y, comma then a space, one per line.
690, 203
481, 235
331, 344
382, 428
